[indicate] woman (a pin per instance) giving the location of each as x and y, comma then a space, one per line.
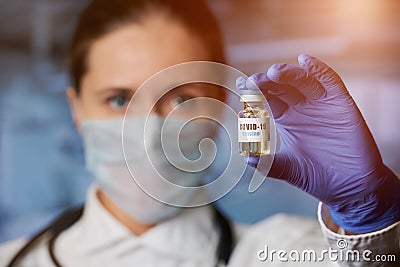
117, 46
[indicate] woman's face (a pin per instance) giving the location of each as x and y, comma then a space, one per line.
120, 61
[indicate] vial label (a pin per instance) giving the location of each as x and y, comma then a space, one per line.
253, 129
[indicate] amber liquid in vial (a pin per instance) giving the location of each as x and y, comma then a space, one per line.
254, 130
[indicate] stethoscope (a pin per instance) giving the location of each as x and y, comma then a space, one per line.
70, 216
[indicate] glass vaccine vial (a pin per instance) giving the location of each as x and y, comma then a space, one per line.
253, 124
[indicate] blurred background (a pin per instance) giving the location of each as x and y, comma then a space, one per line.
41, 162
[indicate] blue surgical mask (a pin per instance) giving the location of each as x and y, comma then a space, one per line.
154, 154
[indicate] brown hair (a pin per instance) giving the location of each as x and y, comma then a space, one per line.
103, 16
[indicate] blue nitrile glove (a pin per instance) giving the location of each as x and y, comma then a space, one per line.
326, 147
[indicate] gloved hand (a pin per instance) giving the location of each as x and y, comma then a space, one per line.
326, 147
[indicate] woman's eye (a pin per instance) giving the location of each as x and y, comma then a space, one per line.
180, 99
117, 102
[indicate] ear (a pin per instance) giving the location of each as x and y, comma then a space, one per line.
75, 107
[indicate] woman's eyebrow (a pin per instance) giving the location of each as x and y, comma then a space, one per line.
120, 90
198, 88
192, 87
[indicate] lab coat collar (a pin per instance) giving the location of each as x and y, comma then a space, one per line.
189, 235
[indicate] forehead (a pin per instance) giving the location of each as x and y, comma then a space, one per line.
129, 55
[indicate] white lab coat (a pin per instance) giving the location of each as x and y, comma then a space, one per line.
190, 239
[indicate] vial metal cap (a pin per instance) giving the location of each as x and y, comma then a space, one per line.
252, 98
248, 91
